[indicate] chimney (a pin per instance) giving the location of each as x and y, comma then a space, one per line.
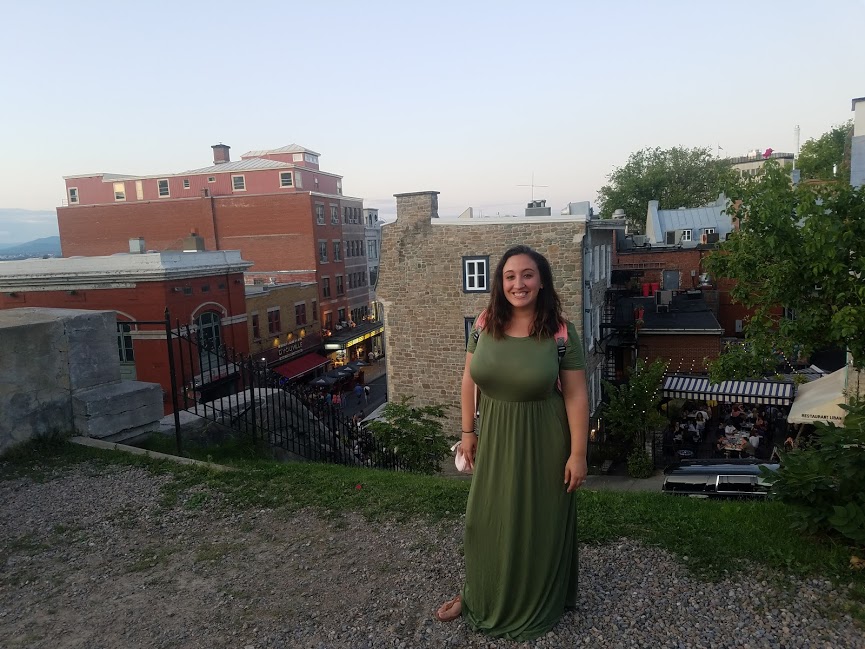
192, 243
136, 246
220, 153
857, 149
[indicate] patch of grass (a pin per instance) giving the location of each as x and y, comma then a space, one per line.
717, 536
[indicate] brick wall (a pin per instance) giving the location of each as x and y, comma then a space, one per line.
683, 353
421, 287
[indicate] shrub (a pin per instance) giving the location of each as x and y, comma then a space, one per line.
414, 433
825, 482
640, 464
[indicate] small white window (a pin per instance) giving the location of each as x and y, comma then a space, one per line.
476, 274
119, 192
310, 158
686, 235
708, 230
162, 184
139, 190
211, 179
73, 195
297, 157
238, 183
285, 179
298, 180
186, 183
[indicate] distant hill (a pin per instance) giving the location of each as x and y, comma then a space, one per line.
35, 248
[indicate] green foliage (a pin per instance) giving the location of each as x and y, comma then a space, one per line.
749, 359
676, 177
415, 433
824, 483
631, 413
800, 247
640, 464
819, 156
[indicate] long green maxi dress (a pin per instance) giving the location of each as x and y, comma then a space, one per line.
520, 533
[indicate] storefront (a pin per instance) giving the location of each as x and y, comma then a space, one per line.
357, 343
296, 359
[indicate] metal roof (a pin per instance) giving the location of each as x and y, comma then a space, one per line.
241, 165
289, 148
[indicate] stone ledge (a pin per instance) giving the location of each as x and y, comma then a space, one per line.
110, 446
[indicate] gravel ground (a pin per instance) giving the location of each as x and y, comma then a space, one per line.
92, 558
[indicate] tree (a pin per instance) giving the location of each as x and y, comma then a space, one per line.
632, 409
799, 247
677, 177
819, 157
415, 434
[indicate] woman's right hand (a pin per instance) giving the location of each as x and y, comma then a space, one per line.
469, 446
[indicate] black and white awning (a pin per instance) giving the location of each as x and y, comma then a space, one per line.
677, 386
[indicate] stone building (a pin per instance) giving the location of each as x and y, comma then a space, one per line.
435, 277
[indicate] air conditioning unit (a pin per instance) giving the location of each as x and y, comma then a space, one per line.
640, 240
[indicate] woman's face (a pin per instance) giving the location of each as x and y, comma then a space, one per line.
521, 281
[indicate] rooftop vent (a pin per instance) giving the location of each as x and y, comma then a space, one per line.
136, 246
220, 153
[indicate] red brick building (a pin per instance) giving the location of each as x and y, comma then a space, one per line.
205, 289
277, 207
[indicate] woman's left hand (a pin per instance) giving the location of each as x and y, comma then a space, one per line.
576, 470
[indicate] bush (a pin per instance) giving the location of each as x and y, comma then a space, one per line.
640, 464
415, 434
825, 482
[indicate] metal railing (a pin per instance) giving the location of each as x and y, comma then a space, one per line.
237, 391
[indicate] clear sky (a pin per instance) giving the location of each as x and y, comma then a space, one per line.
467, 98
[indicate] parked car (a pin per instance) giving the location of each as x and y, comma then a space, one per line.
717, 478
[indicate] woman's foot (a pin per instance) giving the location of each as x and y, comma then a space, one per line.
450, 610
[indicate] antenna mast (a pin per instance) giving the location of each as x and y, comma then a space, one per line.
533, 185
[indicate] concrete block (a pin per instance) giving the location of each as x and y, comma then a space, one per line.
106, 410
92, 344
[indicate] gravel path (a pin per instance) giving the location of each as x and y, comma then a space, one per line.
92, 558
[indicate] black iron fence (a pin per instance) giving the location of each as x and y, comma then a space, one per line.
237, 391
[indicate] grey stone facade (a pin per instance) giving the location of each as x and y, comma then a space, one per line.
60, 373
421, 285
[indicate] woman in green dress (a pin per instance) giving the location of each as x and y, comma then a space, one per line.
528, 457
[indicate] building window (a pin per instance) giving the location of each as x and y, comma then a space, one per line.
273, 323
319, 214
119, 192
308, 157
162, 186
334, 215
341, 315
351, 281
211, 179
186, 183
708, 230
300, 314
238, 183
345, 215
322, 252
73, 195
339, 287
314, 310
468, 324
328, 320
285, 179
476, 274
686, 235
298, 180
210, 340
325, 287
373, 275
256, 327
124, 343
339, 187
337, 250
205, 288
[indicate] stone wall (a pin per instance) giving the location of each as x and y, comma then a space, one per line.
421, 288
60, 373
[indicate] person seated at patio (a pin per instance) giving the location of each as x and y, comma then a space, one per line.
677, 432
754, 439
722, 443
760, 423
730, 429
746, 447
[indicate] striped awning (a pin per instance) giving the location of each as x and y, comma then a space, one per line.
677, 386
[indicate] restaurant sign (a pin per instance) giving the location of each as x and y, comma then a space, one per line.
293, 348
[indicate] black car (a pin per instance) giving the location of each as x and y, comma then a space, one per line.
717, 478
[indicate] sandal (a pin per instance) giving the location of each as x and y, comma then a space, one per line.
446, 612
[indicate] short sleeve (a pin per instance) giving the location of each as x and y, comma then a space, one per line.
573, 359
472, 342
